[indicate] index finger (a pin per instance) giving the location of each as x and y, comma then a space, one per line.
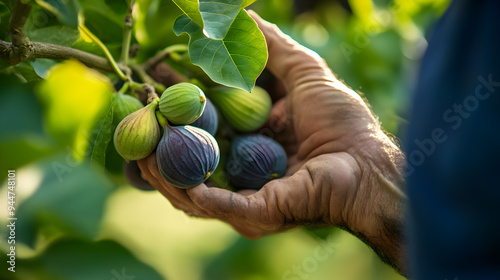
176, 196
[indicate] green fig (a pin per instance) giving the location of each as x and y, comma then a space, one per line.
124, 105
244, 111
182, 103
137, 135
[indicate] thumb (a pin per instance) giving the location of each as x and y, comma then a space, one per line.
269, 207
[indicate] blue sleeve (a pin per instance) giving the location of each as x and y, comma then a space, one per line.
453, 148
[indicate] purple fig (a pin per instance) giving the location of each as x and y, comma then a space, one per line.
187, 155
254, 160
209, 120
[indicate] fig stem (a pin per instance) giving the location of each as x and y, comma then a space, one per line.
127, 34
96, 40
145, 90
144, 76
124, 88
161, 119
166, 52
151, 94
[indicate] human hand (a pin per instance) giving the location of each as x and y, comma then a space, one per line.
342, 169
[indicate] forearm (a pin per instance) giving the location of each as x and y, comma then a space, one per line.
377, 213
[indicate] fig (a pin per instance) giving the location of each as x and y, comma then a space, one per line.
124, 105
137, 135
253, 161
187, 155
182, 103
133, 174
244, 111
209, 120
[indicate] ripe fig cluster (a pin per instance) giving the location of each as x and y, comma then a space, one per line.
187, 152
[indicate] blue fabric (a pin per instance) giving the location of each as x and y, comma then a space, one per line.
453, 148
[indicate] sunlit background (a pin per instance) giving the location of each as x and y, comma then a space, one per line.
77, 222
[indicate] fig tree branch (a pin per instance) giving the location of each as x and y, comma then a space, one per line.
17, 20
46, 50
20, 13
57, 52
22, 49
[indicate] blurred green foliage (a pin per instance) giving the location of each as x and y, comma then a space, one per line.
75, 221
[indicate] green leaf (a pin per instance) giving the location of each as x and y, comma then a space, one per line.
21, 108
214, 16
27, 72
23, 139
42, 66
101, 138
9, 3
57, 34
105, 20
192, 9
112, 10
65, 10
72, 258
247, 3
153, 21
4, 22
103, 26
74, 97
218, 16
70, 199
119, 7
235, 61
114, 162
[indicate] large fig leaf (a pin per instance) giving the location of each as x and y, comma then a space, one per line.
235, 61
218, 16
214, 16
191, 8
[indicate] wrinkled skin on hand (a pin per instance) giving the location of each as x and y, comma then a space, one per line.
342, 169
